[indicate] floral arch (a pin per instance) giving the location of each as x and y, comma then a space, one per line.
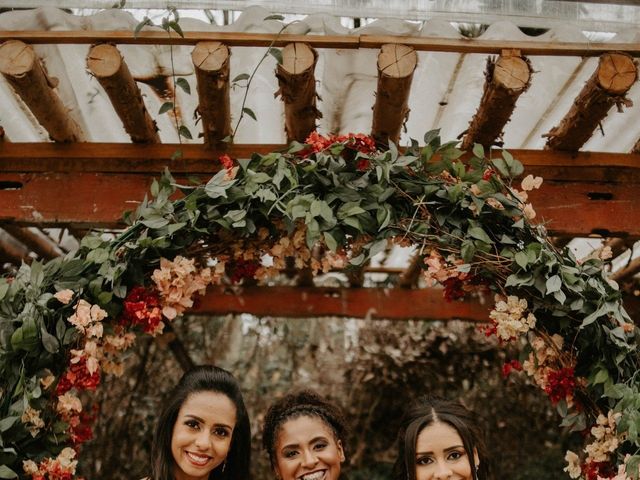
65, 323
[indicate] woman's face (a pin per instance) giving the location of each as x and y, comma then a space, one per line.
202, 434
440, 454
306, 449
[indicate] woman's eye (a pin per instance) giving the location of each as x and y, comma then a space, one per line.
455, 455
290, 454
423, 461
192, 424
221, 432
320, 446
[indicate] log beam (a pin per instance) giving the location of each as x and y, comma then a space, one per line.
37, 242
506, 79
12, 251
106, 64
615, 75
636, 147
24, 72
409, 278
297, 83
627, 271
300, 302
396, 64
211, 63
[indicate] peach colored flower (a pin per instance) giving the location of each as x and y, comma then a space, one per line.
530, 183
64, 296
31, 418
573, 467
47, 381
529, 212
68, 403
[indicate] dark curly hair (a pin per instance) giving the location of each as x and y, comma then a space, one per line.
428, 410
205, 378
298, 404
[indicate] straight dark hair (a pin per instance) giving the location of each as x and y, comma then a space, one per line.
429, 410
205, 378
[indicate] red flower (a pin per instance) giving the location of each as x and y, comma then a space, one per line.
509, 366
142, 308
560, 384
488, 173
241, 269
80, 428
226, 161
593, 470
453, 289
363, 164
78, 377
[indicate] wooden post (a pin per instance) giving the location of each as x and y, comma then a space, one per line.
107, 65
24, 72
506, 79
636, 147
396, 64
211, 62
615, 75
298, 90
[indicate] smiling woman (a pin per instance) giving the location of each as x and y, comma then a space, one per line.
440, 439
304, 435
203, 431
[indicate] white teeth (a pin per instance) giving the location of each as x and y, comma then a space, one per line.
199, 459
313, 476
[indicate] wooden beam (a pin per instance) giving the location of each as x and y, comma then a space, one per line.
239, 39
636, 147
24, 72
299, 302
3, 136
36, 241
615, 75
106, 64
151, 159
297, 83
409, 278
627, 271
211, 63
396, 64
13, 251
576, 208
506, 79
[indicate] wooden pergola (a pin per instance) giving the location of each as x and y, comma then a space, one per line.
75, 184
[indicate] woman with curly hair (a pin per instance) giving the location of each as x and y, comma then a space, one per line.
440, 439
304, 436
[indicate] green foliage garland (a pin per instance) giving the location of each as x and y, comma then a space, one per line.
64, 322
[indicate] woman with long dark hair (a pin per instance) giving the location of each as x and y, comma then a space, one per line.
203, 431
440, 439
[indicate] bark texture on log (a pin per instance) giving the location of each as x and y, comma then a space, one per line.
106, 63
211, 62
36, 241
297, 83
396, 64
507, 78
615, 75
24, 72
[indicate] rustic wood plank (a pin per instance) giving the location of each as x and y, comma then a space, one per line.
577, 208
237, 39
301, 302
131, 158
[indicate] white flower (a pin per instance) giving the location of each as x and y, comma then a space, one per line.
573, 464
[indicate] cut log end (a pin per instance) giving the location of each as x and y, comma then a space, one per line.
210, 56
297, 58
512, 73
617, 72
104, 60
16, 58
397, 61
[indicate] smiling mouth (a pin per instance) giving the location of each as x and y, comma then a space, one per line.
319, 475
197, 459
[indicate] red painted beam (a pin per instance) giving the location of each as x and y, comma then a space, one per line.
298, 302
99, 199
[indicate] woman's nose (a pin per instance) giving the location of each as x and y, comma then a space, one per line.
309, 459
202, 439
443, 471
